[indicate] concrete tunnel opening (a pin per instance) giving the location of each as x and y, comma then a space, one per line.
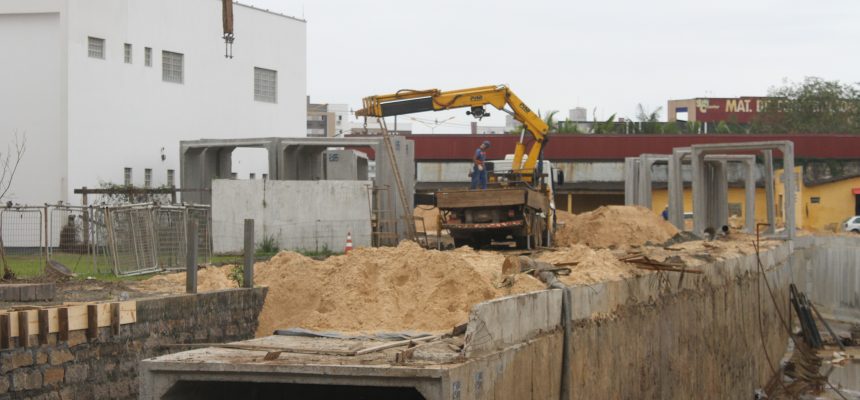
192, 390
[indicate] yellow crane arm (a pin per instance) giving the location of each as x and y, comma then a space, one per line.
413, 101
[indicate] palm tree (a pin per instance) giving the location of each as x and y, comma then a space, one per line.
649, 122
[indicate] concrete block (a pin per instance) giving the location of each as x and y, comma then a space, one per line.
53, 376
26, 380
11, 293
501, 322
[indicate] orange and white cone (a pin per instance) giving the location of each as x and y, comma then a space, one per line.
348, 243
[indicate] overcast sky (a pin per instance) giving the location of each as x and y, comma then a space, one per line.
610, 55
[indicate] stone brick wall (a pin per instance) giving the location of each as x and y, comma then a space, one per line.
107, 367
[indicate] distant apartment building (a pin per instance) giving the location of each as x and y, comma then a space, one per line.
578, 114
104, 90
327, 120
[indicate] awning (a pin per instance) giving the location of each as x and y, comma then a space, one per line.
855, 190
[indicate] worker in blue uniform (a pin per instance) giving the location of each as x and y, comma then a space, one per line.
479, 170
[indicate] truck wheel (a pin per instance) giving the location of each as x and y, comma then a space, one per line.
855, 230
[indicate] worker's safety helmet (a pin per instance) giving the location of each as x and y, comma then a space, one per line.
486, 144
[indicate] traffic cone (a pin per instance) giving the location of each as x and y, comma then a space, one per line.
348, 243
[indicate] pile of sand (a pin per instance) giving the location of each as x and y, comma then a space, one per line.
430, 215
387, 288
369, 289
593, 265
613, 226
208, 279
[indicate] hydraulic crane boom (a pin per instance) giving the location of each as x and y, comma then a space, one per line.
412, 101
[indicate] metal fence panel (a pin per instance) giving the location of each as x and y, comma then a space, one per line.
203, 216
131, 238
72, 240
125, 240
22, 231
170, 237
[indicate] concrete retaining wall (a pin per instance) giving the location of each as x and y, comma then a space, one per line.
656, 336
299, 215
107, 368
828, 270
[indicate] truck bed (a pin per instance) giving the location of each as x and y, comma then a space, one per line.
457, 199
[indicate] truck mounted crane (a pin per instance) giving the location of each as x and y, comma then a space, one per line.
520, 204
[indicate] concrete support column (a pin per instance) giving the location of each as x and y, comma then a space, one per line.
676, 190
700, 203
749, 196
716, 196
631, 181
225, 162
790, 189
644, 195
768, 188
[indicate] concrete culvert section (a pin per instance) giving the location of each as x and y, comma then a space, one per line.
212, 390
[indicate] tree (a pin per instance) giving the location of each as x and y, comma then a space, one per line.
568, 126
607, 126
811, 106
649, 122
9, 162
549, 120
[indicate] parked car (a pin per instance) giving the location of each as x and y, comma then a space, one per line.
852, 224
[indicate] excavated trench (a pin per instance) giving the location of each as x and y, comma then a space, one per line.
656, 335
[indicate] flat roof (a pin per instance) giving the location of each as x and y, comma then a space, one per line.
265, 10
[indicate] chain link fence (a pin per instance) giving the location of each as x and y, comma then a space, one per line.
117, 239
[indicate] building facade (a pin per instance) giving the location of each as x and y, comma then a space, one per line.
104, 90
327, 120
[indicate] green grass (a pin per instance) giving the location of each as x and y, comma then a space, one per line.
30, 266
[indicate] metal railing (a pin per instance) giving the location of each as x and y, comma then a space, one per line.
124, 239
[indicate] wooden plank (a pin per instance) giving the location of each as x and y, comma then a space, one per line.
92, 321
44, 326
104, 314
5, 332
53, 320
128, 312
77, 317
114, 318
480, 198
63, 323
23, 328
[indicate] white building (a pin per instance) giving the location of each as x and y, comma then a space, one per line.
105, 89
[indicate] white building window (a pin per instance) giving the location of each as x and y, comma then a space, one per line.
127, 51
96, 47
265, 85
172, 67
252, 175
147, 177
171, 176
127, 176
147, 56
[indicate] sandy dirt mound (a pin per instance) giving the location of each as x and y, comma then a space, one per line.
372, 289
613, 226
369, 289
593, 265
208, 279
430, 216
